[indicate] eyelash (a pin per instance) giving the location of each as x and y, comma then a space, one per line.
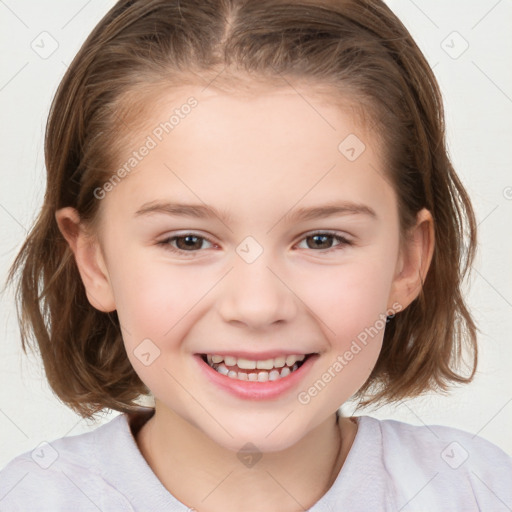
166, 244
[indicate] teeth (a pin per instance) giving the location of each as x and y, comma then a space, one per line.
267, 364
290, 360
279, 362
248, 364
230, 361
277, 372
262, 376
274, 375
245, 364
222, 369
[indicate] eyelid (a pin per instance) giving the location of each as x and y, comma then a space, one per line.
343, 241
330, 232
165, 242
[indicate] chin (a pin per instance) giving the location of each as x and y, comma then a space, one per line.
267, 436
257, 442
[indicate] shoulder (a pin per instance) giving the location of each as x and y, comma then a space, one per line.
444, 467
62, 473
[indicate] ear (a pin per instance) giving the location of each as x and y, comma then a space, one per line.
413, 261
89, 259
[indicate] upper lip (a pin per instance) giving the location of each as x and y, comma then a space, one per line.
260, 356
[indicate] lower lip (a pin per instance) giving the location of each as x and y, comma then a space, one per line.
253, 390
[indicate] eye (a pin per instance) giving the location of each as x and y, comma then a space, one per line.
323, 239
193, 242
188, 242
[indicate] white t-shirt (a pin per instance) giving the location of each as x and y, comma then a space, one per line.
391, 466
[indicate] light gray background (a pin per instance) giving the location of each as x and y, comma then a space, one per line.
477, 88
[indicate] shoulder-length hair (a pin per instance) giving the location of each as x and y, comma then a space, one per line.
356, 47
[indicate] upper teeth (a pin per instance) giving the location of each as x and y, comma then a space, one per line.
248, 364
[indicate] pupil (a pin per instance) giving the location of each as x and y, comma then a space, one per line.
317, 237
189, 241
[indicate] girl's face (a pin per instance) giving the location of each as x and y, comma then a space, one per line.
254, 227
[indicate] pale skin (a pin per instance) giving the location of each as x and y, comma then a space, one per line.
256, 157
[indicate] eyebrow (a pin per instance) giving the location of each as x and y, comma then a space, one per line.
203, 211
330, 210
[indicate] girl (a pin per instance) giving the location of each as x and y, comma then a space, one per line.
251, 217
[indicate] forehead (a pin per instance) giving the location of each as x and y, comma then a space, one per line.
144, 106
251, 148
308, 118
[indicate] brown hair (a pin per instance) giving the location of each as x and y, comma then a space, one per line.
356, 47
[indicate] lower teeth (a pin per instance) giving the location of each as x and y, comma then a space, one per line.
261, 376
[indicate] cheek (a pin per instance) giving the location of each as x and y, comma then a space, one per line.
148, 300
157, 299
351, 303
154, 306
349, 297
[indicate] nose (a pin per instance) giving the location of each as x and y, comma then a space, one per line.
255, 295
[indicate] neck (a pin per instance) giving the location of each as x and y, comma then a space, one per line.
207, 477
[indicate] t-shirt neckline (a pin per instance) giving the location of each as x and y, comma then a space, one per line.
148, 492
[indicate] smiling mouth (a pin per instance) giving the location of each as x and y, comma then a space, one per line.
256, 371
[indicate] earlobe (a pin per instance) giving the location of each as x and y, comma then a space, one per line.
89, 259
414, 260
